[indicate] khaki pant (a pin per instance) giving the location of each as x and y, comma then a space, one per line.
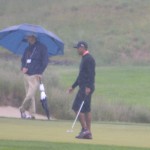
31, 86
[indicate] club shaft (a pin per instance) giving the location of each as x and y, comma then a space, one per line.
77, 115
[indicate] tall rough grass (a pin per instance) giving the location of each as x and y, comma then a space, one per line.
120, 112
12, 93
11, 89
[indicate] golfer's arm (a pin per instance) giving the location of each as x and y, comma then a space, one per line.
91, 74
75, 84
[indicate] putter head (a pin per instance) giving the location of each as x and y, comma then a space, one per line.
69, 131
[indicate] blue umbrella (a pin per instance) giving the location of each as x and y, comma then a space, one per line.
14, 39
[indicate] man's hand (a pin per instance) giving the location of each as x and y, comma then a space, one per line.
70, 90
39, 77
87, 91
24, 70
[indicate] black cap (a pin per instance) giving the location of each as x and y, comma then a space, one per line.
81, 44
31, 34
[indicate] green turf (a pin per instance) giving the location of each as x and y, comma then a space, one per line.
32, 145
117, 34
129, 85
124, 135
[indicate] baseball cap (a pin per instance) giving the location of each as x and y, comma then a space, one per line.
81, 44
31, 34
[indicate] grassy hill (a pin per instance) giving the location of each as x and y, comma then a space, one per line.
117, 30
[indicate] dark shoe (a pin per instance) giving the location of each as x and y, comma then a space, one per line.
33, 117
88, 136
80, 133
30, 117
83, 133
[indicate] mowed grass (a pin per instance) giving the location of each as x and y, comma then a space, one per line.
126, 84
32, 145
17, 133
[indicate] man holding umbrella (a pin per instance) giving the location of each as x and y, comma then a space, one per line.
34, 62
38, 45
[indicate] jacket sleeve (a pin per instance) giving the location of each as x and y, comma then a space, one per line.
44, 63
75, 84
91, 73
23, 59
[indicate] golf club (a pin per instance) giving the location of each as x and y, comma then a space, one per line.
71, 130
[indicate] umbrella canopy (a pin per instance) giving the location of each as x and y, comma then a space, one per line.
14, 39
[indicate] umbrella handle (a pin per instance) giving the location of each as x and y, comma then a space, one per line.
43, 95
41, 87
40, 80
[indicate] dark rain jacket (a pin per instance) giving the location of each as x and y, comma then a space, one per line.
86, 77
39, 58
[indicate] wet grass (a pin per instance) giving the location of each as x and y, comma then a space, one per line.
16, 133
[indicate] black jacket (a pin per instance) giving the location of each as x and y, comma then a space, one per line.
39, 58
86, 77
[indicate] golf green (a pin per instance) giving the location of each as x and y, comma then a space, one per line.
130, 135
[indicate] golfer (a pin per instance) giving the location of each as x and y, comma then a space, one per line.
85, 81
34, 62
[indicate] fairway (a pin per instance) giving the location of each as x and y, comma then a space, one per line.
115, 134
129, 85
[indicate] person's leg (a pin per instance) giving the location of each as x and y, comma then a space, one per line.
88, 118
76, 106
29, 101
34, 84
85, 121
87, 109
32, 108
26, 83
82, 120
25, 103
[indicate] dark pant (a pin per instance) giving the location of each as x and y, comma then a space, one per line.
81, 96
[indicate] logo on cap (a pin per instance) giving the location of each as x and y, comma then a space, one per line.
81, 44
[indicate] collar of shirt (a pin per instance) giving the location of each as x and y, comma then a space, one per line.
85, 53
